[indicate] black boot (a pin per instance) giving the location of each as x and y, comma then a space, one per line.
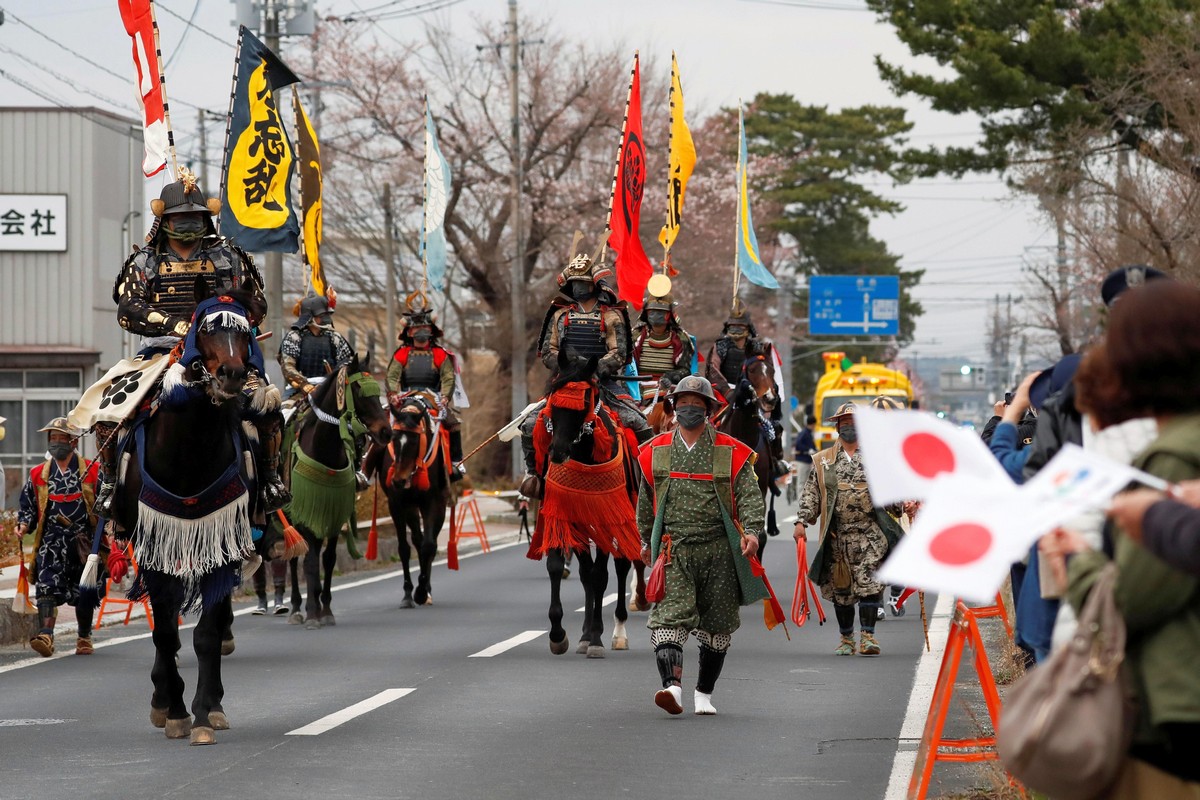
273, 494
669, 657
106, 455
456, 455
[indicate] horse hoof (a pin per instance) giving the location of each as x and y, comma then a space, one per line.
640, 604
178, 728
407, 602
428, 600
218, 720
595, 651
620, 644
227, 647
421, 595
327, 620
558, 648
296, 619
203, 736
582, 647
312, 624
158, 717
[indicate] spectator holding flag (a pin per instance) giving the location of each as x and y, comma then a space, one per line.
1152, 333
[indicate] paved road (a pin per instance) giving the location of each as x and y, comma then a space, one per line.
794, 721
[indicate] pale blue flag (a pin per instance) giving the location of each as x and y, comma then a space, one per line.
747, 243
437, 191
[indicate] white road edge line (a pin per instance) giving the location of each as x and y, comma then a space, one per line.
397, 572
609, 599
350, 712
507, 644
924, 682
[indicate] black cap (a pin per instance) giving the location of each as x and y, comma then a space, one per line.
1126, 278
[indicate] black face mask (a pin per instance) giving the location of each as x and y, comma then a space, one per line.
582, 291
186, 229
657, 317
691, 417
848, 434
60, 450
424, 337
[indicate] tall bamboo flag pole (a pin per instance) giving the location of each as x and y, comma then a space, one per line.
162, 86
308, 281
737, 222
612, 192
681, 161
672, 220
425, 205
237, 60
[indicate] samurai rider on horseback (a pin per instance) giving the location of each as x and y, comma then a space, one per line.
727, 359
585, 321
422, 371
156, 294
310, 351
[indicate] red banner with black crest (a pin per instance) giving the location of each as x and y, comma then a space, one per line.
625, 205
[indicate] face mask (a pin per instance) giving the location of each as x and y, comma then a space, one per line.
60, 450
691, 417
186, 228
424, 337
323, 321
582, 291
657, 318
848, 434
738, 333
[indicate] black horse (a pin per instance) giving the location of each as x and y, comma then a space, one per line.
415, 472
322, 463
574, 417
186, 503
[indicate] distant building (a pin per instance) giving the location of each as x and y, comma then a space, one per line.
70, 190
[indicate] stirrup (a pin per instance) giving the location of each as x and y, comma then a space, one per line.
274, 495
361, 481
103, 505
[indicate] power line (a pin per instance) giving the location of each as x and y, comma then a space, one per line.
809, 4
86, 113
73, 84
186, 31
85, 59
190, 24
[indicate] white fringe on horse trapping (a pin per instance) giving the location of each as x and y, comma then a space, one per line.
226, 320
191, 548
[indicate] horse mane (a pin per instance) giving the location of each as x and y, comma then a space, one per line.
574, 370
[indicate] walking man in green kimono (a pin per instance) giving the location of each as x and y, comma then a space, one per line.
700, 507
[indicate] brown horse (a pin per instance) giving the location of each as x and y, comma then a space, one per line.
415, 472
747, 418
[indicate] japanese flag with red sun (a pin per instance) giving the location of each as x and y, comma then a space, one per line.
905, 453
962, 543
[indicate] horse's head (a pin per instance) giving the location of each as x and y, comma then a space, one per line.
759, 371
408, 440
571, 399
368, 409
221, 355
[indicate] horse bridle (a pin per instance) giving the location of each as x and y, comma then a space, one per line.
346, 384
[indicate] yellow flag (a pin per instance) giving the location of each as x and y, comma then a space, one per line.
682, 158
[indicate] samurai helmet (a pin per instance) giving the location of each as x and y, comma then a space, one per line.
885, 403
699, 386
658, 298
739, 315
418, 318
184, 196
310, 308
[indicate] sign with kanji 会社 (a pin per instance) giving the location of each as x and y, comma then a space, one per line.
33, 223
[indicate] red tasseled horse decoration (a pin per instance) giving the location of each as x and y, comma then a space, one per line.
585, 503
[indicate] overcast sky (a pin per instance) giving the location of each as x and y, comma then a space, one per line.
970, 236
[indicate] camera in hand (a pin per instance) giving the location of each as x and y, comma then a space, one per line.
1008, 398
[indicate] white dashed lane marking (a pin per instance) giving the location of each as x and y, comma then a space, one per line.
350, 712
608, 601
507, 644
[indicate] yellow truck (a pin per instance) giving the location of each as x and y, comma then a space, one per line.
847, 382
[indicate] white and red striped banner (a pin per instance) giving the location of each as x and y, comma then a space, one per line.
138, 17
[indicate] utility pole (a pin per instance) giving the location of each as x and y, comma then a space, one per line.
389, 263
520, 392
273, 263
